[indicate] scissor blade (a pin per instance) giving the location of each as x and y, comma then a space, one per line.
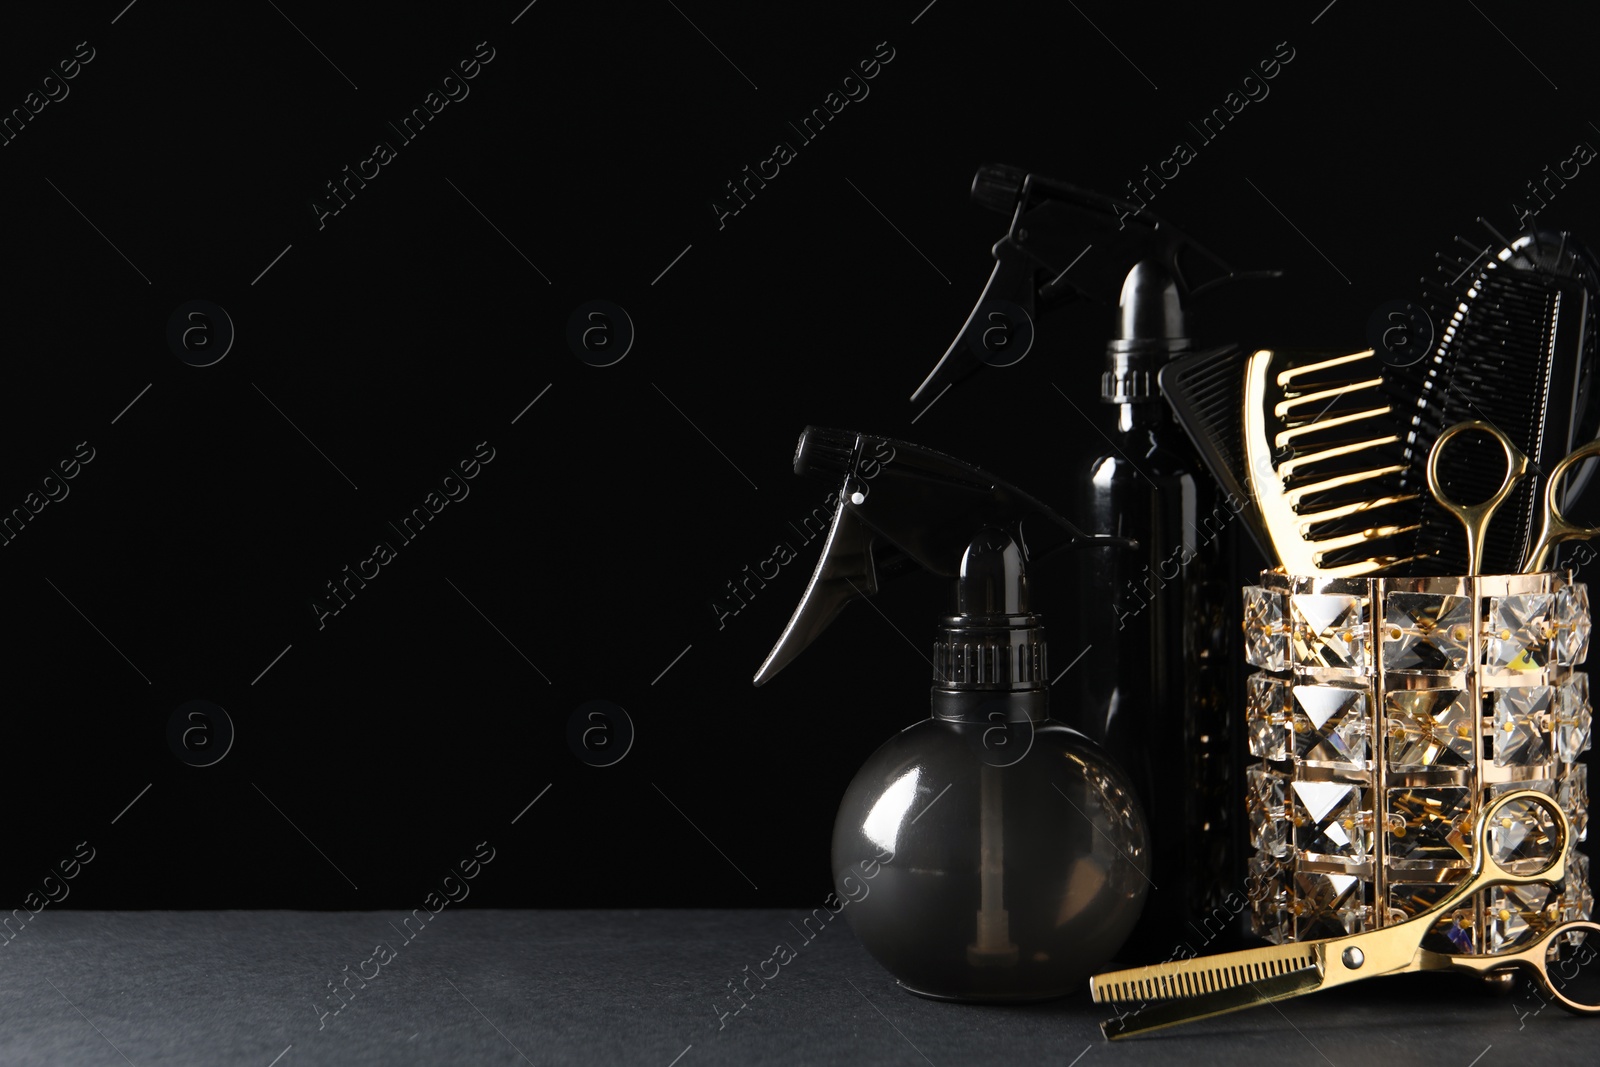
1173, 1012
1208, 974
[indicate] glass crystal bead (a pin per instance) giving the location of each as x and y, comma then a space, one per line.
1572, 793
1571, 623
1573, 717
1332, 821
1267, 808
1329, 630
1515, 914
1331, 725
1270, 833
1267, 716
1517, 635
1429, 823
1428, 728
1266, 638
1426, 631
1267, 789
1268, 887
1577, 897
1323, 904
1519, 738
1269, 739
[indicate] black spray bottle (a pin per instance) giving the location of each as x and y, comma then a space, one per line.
1155, 682
988, 852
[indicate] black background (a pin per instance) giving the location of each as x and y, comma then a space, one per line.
408, 329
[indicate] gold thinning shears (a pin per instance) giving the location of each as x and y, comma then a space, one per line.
1554, 527
1168, 994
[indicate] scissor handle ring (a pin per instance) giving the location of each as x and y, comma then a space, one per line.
1486, 872
1516, 469
1475, 517
1555, 527
1535, 956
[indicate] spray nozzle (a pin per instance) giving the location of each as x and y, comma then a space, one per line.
901, 507
1066, 242
993, 581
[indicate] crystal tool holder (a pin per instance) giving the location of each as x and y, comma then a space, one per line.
1384, 713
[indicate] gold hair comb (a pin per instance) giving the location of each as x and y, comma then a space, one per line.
1320, 477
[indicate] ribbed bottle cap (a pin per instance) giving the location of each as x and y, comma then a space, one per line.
1123, 384
993, 658
992, 642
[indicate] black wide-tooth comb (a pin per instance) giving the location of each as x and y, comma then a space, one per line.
1205, 391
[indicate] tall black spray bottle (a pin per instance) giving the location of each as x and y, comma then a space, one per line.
1154, 684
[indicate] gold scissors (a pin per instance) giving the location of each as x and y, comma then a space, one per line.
1554, 527
1186, 990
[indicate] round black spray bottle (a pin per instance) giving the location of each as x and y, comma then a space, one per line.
1007, 854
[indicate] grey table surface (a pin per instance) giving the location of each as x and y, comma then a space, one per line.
640, 987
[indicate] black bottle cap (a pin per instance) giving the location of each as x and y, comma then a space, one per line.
1150, 332
993, 642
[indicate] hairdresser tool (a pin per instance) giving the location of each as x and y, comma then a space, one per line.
1554, 527
1319, 488
1205, 390
1007, 855
1517, 348
1065, 243
1213, 985
1476, 517
1156, 684
903, 507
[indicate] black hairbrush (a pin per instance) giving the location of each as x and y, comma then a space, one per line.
1515, 348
